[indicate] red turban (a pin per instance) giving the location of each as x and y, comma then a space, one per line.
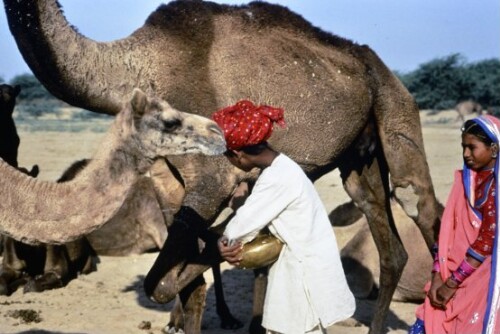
245, 124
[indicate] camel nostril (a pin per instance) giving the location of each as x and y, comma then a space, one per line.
214, 128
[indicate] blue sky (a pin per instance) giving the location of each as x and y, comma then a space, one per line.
404, 33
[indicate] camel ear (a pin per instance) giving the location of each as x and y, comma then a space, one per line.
139, 102
17, 90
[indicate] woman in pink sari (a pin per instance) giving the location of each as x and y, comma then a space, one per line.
463, 294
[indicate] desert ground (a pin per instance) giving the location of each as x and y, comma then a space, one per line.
111, 300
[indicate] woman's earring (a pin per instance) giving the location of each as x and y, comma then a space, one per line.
494, 147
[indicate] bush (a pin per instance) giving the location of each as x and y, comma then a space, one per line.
438, 83
484, 80
31, 89
442, 83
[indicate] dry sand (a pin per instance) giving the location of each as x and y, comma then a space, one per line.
111, 300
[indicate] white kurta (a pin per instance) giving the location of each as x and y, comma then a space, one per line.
306, 285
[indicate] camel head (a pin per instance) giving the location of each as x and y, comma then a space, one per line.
8, 96
156, 129
145, 130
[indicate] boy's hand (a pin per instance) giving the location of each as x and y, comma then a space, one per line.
231, 254
239, 196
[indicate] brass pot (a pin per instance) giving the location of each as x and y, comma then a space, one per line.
261, 251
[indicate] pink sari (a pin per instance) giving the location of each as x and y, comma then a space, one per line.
478, 294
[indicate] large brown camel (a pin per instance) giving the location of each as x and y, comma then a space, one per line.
148, 128
345, 109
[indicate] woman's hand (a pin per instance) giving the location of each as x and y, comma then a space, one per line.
446, 291
436, 283
441, 292
230, 253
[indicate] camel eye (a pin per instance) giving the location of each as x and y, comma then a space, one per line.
171, 124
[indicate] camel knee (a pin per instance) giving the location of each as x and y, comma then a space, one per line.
422, 207
162, 293
408, 199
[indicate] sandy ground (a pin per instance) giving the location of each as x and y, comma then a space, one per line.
111, 300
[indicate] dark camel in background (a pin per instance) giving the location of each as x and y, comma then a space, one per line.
9, 139
344, 108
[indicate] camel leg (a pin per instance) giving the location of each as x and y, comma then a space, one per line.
366, 181
259, 294
193, 298
163, 281
397, 116
12, 266
227, 321
177, 266
176, 321
188, 309
56, 267
168, 276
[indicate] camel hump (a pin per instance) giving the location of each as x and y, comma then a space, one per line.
187, 17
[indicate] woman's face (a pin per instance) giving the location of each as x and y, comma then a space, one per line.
477, 155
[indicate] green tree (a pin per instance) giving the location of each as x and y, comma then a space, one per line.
484, 80
31, 88
34, 99
442, 83
439, 83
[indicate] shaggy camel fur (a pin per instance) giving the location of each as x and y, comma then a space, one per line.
146, 129
202, 56
139, 225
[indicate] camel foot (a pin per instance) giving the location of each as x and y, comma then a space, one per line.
4, 287
47, 281
170, 329
230, 323
256, 326
9, 284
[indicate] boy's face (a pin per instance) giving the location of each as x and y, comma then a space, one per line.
240, 160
